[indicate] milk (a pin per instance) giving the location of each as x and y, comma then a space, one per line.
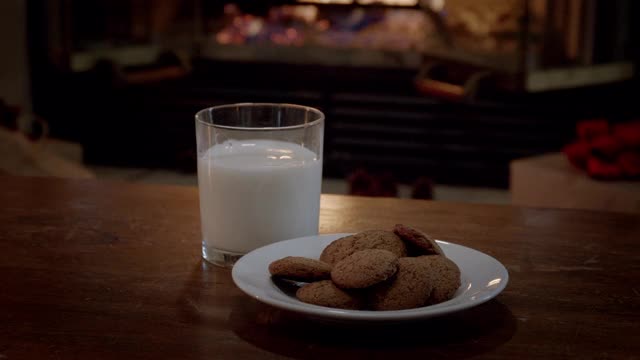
256, 192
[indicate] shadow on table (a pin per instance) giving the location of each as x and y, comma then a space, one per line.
455, 336
200, 291
461, 335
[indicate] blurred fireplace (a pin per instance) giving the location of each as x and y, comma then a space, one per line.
449, 89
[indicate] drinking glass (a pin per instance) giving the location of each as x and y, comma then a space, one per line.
259, 176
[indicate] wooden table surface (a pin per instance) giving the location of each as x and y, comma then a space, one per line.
93, 270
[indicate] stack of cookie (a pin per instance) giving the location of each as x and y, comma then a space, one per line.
374, 270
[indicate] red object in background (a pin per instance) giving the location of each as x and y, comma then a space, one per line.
360, 183
599, 169
628, 133
590, 129
385, 185
605, 146
606, 152
629, 162
422, 189
578, 153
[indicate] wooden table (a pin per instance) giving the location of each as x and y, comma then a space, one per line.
92, 270
549, 180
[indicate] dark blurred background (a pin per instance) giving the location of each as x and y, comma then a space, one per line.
446, 90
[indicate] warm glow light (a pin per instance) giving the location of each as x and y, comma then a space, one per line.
494, 282
365, 2
389, 2
327, 1
223, 38
291, 33
436, 5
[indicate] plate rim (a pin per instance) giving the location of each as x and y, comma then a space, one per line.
370, 315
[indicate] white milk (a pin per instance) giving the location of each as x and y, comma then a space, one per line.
256, 192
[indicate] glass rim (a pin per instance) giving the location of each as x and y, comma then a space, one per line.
319, 120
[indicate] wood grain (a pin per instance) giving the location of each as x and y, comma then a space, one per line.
97, 270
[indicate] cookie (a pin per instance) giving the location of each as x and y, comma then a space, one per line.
326, 293
364, 268
300, 268
445, 275
417, 240
371, 239
410, 288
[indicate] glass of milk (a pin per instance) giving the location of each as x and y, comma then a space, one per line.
259, 176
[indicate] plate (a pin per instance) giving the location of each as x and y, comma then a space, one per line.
482, 278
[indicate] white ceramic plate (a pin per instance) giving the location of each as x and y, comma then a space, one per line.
482, 276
